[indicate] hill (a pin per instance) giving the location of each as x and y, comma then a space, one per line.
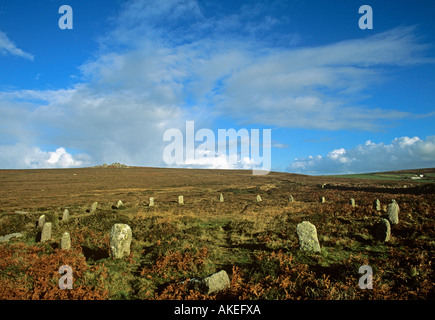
416, 175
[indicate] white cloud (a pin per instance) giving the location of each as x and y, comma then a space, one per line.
8, 47
217, 160
51, 159
279, 145
402, 153
20, 156
319, 87
118, 115
244, 78
240, 76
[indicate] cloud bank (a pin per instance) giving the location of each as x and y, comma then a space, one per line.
20, 156
402, 153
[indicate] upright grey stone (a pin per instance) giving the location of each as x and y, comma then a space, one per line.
65, 242
120, 241
221, 198
41, 221
352, 202
393, 212
94, 206
119, 204
151, 202
180, 199
258, 198
383, 230
322, 200
307, 234
377, 205
290, 199
46, 232
213, 283
65, 215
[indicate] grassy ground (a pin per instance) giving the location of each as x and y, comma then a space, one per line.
255, 242
428, 177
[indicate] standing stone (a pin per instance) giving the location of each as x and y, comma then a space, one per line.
290, 199
322, 200
393, 212
383, 230
221, 198
258, 198
352, 202
41, 221
180, 200
94, 206
65, 242
120, 241
65, 216
151, 202
46, 232
307, 234
213, 283
377, 205
119, 204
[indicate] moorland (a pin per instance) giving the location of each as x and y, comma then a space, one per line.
254, 242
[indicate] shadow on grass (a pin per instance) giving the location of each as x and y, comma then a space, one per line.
336, 272
95, 254
38, 236
251, 247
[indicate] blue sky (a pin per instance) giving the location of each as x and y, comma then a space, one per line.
337, 98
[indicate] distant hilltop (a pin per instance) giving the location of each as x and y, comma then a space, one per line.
113, 165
